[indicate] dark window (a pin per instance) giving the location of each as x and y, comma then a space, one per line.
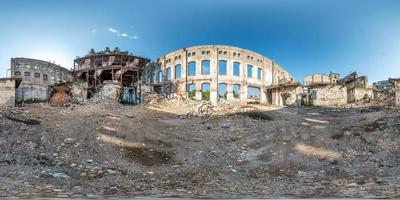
17, 73
45, 77
27, 74
37, 75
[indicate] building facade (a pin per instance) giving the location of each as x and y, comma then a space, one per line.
215, 72
36, 76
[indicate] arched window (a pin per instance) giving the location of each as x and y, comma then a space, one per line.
253, 94
178, 71
160, 76
222, 69
205, 67
192, 68
249, 71
236, 90
17, 73
192, 91
236, 68
259, 73
222, 90
205, 91
27, 74
168, 72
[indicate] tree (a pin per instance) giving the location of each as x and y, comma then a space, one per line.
116, 50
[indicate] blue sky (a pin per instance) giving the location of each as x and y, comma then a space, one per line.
304, 36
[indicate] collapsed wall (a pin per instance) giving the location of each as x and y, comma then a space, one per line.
109, 91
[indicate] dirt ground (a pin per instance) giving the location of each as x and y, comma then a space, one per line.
116, 150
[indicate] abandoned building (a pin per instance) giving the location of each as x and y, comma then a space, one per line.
215, 72
36, 77
330, 90
119, 70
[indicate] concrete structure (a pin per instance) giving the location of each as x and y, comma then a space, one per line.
111, 65
36, 76
396, 83
215, 72
330, 91
7, 91
318, 78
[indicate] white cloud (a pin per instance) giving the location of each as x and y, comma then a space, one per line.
93, 31
113, 30
119, 34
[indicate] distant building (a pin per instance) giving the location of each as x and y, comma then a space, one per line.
36, 76
383, 85
323, 79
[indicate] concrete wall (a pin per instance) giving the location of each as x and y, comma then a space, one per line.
271, 73
328, 96
7, 92
30, 92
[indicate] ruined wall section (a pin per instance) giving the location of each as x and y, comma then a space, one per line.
7, 92
328, 96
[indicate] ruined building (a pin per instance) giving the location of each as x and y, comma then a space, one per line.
113, 72
216, 73
36, 77
330, 90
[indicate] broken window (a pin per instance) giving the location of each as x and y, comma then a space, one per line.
45, 77
178, 71
236, 90
205, 91
259, 73
37, 75
222, 67
236, 68
192, 91
192, 68
27, 74
205, 67
17, 73
168, 73
249, 71
222, 90
160, 76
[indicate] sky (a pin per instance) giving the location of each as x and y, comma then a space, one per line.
303, 36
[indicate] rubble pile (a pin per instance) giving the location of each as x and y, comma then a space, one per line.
59, 96
109, 93
95, 151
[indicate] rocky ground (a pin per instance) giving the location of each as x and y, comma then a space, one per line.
116, 150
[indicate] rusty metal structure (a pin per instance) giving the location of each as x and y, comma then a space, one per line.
116, 65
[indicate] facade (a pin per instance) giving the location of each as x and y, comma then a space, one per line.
383, 85
215, 72
112, 66
36, 76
